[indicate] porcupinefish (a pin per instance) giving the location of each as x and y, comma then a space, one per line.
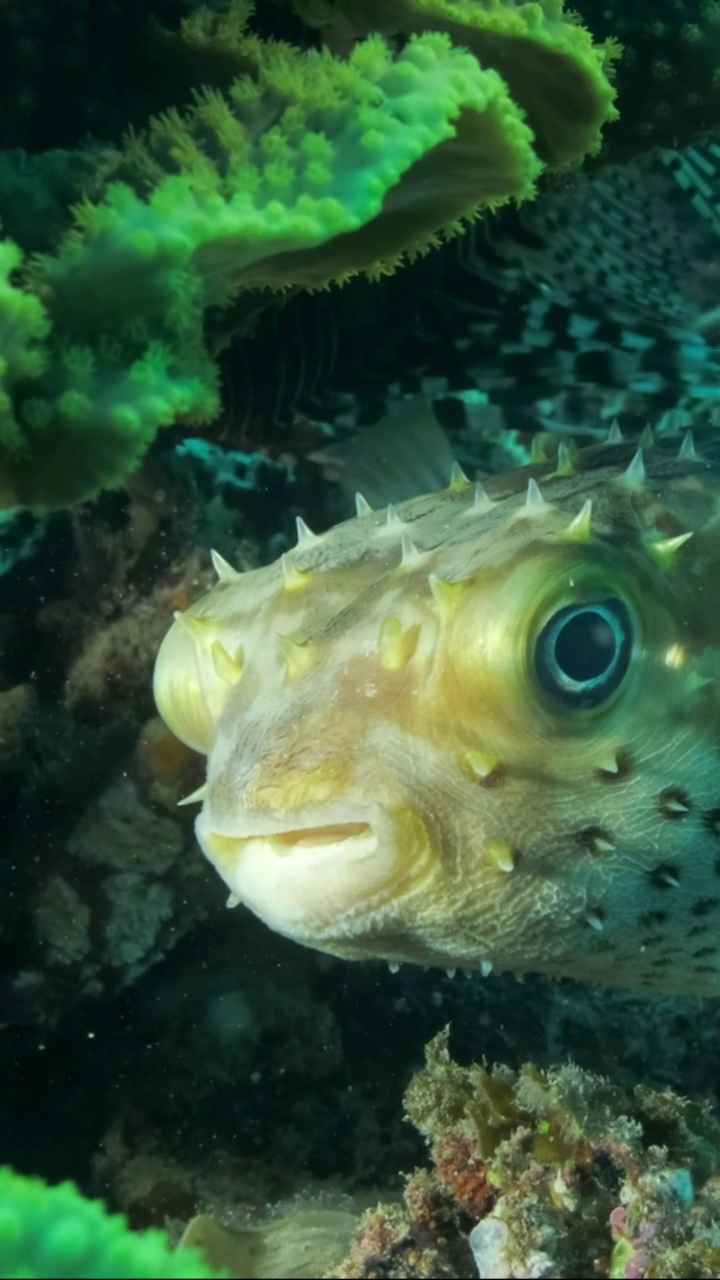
479, 728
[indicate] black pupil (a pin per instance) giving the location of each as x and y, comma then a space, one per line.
585, 646
583, 652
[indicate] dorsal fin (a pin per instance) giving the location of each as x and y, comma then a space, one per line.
405, 454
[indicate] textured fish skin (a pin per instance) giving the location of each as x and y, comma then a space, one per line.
393, 774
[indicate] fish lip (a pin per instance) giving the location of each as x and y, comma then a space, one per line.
277, 822
301, 875
341, 828
283, 844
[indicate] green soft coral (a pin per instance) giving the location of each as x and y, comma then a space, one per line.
24, 325
56, 1232
306, 171
552, 67
293, 170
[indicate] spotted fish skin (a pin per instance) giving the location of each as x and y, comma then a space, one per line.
394, 770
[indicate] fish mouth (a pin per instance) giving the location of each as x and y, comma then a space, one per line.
333, 833
344, 838
305, 879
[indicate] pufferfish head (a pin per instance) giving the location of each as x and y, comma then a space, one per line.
479, 729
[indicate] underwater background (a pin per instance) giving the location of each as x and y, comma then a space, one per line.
175, 377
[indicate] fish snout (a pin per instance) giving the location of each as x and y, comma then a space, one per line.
319, 876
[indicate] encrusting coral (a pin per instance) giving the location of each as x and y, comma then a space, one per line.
303, 169
548, 1173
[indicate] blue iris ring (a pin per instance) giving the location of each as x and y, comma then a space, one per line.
583, 652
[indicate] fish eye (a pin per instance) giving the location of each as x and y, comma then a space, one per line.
583, 652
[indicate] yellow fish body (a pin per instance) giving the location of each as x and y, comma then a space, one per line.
480, 729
